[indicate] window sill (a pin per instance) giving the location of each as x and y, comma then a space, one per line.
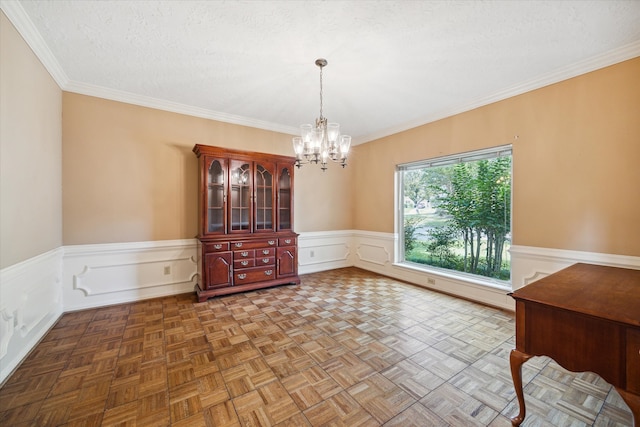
459, 277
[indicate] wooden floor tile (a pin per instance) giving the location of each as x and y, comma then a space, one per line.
413, 378
347, 370
340, 410
458, 408
416, 416
267, 406
381, 397
311, 386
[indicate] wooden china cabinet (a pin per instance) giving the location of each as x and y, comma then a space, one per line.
245, 217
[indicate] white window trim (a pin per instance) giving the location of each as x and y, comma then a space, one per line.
399, 261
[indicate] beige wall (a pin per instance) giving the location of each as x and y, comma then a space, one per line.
576, 163
129, 173
30, 152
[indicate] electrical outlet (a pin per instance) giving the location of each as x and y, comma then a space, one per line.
167, 269
312, 254
431, 281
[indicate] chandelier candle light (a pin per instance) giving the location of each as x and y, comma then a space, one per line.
323, 142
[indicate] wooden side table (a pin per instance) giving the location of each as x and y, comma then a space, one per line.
586, 318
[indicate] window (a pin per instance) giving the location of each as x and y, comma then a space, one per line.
455, 214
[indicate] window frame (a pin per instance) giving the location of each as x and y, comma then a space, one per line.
448, 160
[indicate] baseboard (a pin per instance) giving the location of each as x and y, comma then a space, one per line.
30, 304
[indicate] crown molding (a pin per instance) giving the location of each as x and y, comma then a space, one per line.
23, 24
174, 107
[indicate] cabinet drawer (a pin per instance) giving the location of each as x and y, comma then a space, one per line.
287, 241
262, 261
250, 275
254, 244
244, 263
248, 254
216, 247
265, 252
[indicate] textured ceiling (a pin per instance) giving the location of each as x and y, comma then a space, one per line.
392, 64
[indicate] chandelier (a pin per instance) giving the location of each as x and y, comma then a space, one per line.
323, 142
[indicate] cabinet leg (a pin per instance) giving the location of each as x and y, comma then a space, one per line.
516, 359
633, 401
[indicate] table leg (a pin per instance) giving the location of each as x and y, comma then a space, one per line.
516, 359
633, 401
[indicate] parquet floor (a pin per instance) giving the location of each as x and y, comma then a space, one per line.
345, 348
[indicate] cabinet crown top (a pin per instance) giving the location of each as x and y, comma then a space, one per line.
223, 152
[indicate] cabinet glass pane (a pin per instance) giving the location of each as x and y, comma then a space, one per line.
284, 199
215, 198
240, 197
264, 199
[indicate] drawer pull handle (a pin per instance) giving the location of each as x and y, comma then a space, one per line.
217, 246
268, 272
287, 241
244, 262
238, 244
272, 242
265, 260
242, 276
265, 252
245, 253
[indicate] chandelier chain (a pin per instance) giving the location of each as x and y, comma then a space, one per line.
321, 117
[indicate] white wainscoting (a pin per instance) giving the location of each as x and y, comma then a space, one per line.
30, 304
35, 293
105, 274
529, 264
324, 250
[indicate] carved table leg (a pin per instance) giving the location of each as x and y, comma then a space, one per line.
633, 401
516, 359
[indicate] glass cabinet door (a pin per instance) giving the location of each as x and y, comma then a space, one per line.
215, 202
264, 181
285, 202
240, 188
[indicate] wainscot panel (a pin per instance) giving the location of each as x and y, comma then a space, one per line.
98, 275
30, 304
324, 250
